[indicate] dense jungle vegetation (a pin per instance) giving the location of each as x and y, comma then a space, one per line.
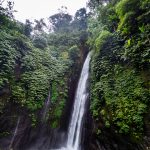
120, 66
36, 64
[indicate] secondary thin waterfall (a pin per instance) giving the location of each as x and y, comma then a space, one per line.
15, 133
75, 126
46, 107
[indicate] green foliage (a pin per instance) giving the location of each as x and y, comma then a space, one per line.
80, 19
94, 28
137, 50
74, 53
58, 100
122, 92
40, 42
54, 124
102, 38
127, 22
119, 92
6, 12
127, 11
26, 73
60, 21
36, 84
126, 99
108, 17
55, 93
63, 39
33, 119
132, 14
125, 6
18, 94
4, 134
28, 28
13, 46
34, 65
93, 4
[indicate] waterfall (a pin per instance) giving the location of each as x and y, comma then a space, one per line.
46, 107
75, 126
15, 133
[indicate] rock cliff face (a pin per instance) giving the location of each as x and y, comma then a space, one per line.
72, 85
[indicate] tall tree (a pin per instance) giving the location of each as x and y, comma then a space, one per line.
6, 12
28, 28
39, 25
81, 19
60, 21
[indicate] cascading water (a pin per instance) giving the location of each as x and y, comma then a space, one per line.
15, 133
75, 126
46, 107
